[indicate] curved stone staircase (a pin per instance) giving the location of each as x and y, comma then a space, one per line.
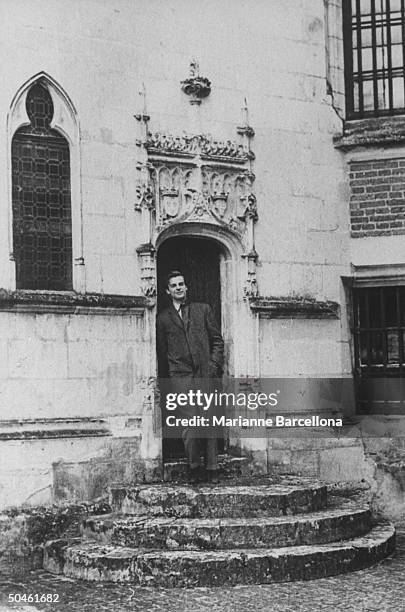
255, 530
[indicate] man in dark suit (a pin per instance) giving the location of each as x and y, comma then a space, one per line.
190, 353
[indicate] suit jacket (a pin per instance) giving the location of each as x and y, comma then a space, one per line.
189, 346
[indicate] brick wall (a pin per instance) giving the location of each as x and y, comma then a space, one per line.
377, 198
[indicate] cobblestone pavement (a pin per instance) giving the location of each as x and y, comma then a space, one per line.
380, 588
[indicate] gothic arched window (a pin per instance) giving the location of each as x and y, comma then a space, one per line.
42, 219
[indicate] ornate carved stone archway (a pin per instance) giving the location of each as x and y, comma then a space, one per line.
198, 182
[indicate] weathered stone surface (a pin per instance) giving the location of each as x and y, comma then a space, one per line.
288, 308
89, 479
117, 564
334, 524
23, 532
55, 552
200, 568
371, 131
71, 299
221, 501
177, 471
272, 530
380, 587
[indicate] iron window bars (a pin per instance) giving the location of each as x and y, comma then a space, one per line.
374, 50
379, 330
379, 340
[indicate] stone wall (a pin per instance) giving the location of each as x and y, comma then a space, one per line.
116, 59
273, 55
71, 385
318, 349
61, 366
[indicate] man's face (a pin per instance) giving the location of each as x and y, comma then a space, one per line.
177, 288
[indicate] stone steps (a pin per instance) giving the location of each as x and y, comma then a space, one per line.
96, 562
333, 524
232, 501
249, 530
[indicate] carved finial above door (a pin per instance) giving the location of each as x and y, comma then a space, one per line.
196, 86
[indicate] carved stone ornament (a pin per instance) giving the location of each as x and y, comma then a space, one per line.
219, 204
160, 143
199, 178
246, 130
196, 86
146, 254
196, 179
170, 201
144, 196
199, 204
249, 207
251, 289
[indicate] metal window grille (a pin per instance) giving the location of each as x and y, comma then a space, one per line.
374, 37
379, 331
42, 227
379, 339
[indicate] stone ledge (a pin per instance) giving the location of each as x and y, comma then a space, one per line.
70, 302
374, 131
371, 275
40, 429
294, 308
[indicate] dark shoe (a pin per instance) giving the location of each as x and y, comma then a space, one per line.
213, 476
194, 475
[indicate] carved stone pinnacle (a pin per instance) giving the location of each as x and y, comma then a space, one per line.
196, 86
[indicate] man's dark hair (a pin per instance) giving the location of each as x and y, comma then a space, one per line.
173, 274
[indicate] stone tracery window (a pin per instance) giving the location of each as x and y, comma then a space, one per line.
41, 200
374, 36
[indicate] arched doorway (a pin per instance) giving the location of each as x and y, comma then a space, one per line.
199, 259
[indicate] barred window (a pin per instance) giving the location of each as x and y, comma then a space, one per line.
42, 226
374, 35
379, 339
379, 331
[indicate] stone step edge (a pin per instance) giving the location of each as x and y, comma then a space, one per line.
230, 466
226, 489
345, 509
264, 480
223, 459
321, 526
94, 562
228, 500
287, 519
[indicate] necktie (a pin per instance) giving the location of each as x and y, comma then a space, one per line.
183, 314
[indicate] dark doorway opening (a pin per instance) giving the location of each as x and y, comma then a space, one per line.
199, 261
